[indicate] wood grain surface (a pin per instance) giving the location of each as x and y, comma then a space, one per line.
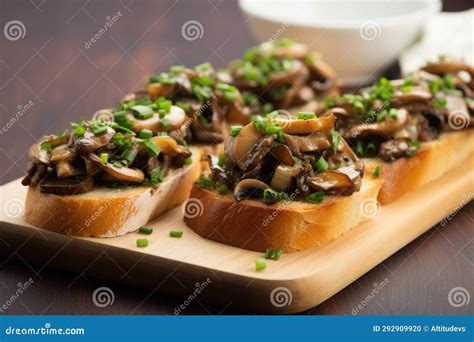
64, 78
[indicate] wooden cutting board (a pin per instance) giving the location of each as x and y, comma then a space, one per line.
193, 267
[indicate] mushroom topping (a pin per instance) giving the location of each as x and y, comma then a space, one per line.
168, 145
171, 121
249, 188
297, 72
91, 142
416, 96
387, 127
294, 50
335, 182
310, 143
447, 67
124, 174
261, 161
322, 124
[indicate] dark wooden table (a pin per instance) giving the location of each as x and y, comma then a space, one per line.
66, 76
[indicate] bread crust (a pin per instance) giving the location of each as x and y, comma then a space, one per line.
292, 226
433, 160
109, 212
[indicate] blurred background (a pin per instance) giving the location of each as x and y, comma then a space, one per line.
60, 60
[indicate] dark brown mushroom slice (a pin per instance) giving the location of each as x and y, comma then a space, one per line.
415, 96
91, 142
384, 128
249, 188
320, 71
67, 186
297, 74
395, 149
303, 95
333, 182
282, 153
447, 67
258, 152
318, 141
124, 174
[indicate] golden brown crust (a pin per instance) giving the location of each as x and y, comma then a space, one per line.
107, 212
433, 160
292, 226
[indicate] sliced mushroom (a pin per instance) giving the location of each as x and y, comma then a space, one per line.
62, 153
159, 89
138, 95
335, 182
125, 174
249, 188
296, 51
387, 127
174, 120
309, 126
320, 70
67, 186
92, 142
64, 169
298, 73
168, 145
282, 153
38, 155
238, 147
416, 96
447, 67
258, 152
309, 143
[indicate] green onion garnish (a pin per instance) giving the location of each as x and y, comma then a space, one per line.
156, 176
260, 264
79, 131
142, 243
269, 196
46, 146
321, 164
221, 160
315, 197
176, 234
104, 158
145, 230
336, 137
222, 189
165, 123
376, 172
235, 130
152, 149
142, 112
393, 113
205, 182
306, 115
273, 253
145, 134
188, 161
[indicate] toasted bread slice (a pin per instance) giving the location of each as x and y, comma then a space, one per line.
291, 226
432, 161
109, 212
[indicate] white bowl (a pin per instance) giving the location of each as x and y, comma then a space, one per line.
358, 38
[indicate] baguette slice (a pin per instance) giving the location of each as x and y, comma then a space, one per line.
109, 212
291, 226
433, 160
